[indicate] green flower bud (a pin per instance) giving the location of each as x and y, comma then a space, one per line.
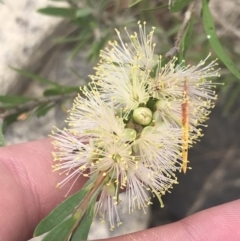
110, 189
156, 115
129, 135
162, 104
157, 118
148, 129
142, 116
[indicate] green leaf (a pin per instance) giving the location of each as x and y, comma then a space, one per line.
35, 77
102, 6
51, 92
134, 3
11, 119
83, 12
57, 90
67, 39
61, 91
96, 47
62, 211
58, 12
84, 38
156, 8
214, 41
177, 6
76, 73
43, 109
60, 232
13, 100
186, 39
2, 140
82, 230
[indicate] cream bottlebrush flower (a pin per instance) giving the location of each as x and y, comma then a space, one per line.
183, 96
175, 85
85, 155
122, 170
170, 112
148, 164
93, 116
140, 50
135, 123
159, 148
123, 73
100, 141
122, 86
91, 123
170, 78
73, 154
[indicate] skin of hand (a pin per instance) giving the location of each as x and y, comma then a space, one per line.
28, 193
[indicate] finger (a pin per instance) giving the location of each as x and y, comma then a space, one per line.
221, 223
28, 188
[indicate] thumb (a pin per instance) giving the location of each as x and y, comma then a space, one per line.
221, 223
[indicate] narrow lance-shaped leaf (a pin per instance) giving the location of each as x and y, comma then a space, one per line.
58, 89
83, 12
96, 47
214, 41
36, 77
60, 232
43, 109
186, 40
67, 39
177, 6
82, 211
155, 8
75, 216
11, 119
2, 140
58, 12
82, 230
14, 100
62, 210
77, 48
134, 3
75, 73
61, 91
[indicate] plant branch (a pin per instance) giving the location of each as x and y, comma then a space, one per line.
187, 17
32, 104
83, 206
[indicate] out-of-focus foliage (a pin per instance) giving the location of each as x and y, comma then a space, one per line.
58, 231
214, 41
2, 142
94, 23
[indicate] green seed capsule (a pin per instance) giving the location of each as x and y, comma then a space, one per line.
142, 116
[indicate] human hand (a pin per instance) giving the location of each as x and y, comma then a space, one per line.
28, 193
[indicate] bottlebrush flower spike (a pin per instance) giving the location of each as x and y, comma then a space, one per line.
138, 49
135, 123
98, 139
122, 86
